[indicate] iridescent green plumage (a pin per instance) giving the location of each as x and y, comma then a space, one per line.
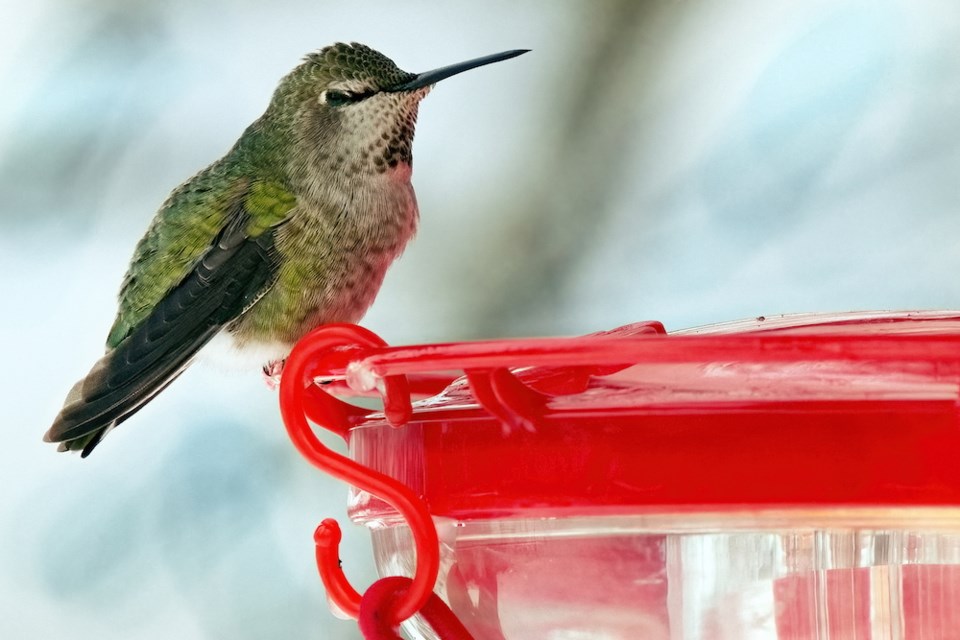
294, 227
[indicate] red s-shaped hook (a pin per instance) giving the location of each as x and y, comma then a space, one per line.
338, 416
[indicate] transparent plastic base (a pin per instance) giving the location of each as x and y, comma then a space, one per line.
793, 574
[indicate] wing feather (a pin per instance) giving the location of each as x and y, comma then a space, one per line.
229, 277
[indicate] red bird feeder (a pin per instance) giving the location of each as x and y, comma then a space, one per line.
784, 478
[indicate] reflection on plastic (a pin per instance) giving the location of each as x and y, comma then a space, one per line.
630, 577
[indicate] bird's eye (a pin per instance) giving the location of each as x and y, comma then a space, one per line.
338, 98
341, 97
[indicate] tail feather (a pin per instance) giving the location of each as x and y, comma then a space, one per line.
94, 406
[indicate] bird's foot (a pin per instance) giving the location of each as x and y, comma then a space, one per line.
272, 372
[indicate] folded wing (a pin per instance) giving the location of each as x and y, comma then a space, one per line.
231, 275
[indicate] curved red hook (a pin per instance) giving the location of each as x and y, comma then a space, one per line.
293, 390
507, 398
326, 538
383, 593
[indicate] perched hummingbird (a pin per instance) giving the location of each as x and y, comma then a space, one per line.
293, 228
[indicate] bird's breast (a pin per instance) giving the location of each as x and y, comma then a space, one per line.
333, 254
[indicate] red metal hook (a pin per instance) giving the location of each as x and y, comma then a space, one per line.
296, 387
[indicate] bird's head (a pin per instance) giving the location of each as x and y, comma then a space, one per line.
353, 110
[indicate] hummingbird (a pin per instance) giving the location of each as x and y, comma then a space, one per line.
293, 228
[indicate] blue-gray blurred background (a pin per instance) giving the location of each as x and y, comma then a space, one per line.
683, 161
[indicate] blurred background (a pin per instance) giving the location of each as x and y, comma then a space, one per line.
688, 162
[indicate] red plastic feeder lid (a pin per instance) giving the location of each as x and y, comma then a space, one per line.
809, 410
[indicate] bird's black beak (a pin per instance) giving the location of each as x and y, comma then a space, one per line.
431, 77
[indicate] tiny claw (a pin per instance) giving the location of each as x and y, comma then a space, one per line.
272, 371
